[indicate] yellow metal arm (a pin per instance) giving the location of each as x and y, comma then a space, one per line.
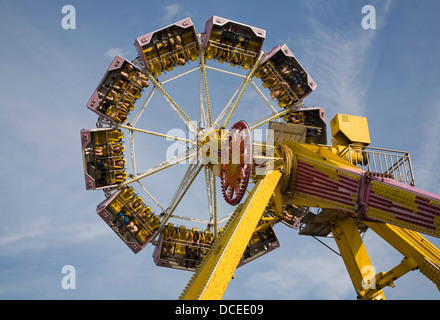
418, 250
383, 279
317, 177
322, 179
355, 256
212, 277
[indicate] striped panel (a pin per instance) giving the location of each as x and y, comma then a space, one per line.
326, 186
404, 206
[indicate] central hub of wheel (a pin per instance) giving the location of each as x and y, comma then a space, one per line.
228, 153
210, 146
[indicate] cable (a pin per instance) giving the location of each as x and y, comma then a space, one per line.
326, 246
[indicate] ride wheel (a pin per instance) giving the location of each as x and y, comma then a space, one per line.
236, 168
168, 146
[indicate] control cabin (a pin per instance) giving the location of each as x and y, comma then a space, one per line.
103, 157
232, 42
167, 48
127, 215
301, 125
118, 91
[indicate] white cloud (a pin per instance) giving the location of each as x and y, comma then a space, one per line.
425, 162
341, 71
112, 52
170, 13
340, 60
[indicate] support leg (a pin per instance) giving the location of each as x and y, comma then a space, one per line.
355, 256
418, 250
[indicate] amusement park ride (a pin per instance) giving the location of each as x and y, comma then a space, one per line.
294, 177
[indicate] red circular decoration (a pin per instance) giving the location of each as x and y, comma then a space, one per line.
236, 163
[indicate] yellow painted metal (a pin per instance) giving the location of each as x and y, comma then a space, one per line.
418, 252
391, 202
354, 254
341, 179
203, 70
212, 277
327, 163
158, 86
334, 175
401, 199
323, 154
347, 129
384, 279
412, 245
246, 83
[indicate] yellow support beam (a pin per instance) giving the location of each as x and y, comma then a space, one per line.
212, 277
355, 256
383, 279
323, 179
413, 246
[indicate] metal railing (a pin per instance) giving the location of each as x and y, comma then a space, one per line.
385, 161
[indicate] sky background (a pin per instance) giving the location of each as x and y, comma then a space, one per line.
48, 220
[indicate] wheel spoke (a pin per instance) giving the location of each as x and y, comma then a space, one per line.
203, 118
141, 110
225, 116
227, 109
151, 197
130, 128
204, 84
180, 75
190, 175
182, 115
133, 158
263, 97
163, 165
268, 118
211, 190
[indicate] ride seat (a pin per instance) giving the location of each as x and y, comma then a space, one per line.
154, 224
122, 199
115, 136
208, 239
144, 215
182, 238
116, 179
142, 234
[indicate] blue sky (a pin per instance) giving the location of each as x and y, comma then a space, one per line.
48, 220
